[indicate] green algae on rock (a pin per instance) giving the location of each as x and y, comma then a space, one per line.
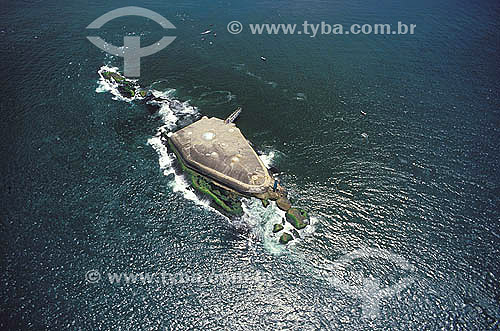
265, 202
285, 238
229, 202
277, 227
297, 217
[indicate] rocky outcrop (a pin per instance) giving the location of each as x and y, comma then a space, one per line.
127, 88
225, 197
285, 238
130, 89
277, 227
297, 217
283, 203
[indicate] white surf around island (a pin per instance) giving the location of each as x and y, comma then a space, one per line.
256, 217
106, 86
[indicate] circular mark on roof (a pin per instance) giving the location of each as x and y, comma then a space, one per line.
208, 135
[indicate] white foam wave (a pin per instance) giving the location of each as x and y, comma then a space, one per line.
268, 158
103, 84
171, 110
166, 160
262, 220
107, 86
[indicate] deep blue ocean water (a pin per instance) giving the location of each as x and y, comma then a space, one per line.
84, 186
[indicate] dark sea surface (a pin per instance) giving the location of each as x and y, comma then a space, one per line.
85, 185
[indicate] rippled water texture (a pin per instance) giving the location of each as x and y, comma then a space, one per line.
404, 199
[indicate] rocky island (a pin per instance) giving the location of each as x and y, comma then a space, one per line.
219, 162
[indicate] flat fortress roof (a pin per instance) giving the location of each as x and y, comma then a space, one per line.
221, 152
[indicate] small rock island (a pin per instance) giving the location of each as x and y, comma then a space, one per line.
220, 163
